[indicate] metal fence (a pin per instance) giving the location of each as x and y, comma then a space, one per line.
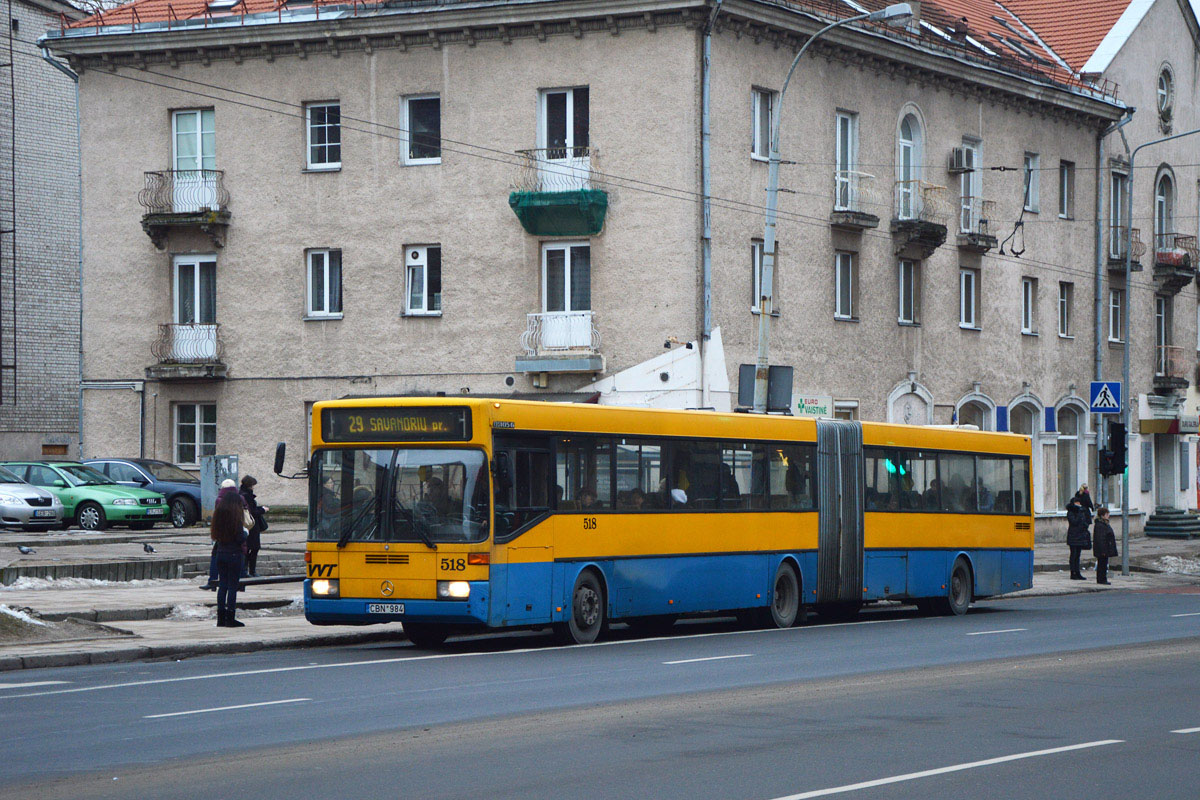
556, 169
184, 191
188, 343
560, 333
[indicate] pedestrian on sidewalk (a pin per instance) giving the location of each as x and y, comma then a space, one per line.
228, 487
1078, 536
257, 513
1104, 545
1085, 500
229, 537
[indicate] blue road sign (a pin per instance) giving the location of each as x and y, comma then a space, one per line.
1105, 397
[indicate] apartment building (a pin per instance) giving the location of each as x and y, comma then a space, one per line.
496, 197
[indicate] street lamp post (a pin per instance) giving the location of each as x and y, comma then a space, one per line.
895, 15
1127, 324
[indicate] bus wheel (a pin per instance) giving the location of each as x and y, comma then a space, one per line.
958, 593
425, 635
785, 606
587, 611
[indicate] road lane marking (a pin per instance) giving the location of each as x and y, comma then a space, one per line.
1192, 614
227, 708
854, 787
710, 658
441, 656
1187, 730
1006, 630
31, 683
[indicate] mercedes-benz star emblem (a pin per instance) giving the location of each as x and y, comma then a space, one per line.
386, 588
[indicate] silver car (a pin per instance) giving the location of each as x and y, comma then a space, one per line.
25, 506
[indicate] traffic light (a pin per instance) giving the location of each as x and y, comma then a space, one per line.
1106, 460
1116, 446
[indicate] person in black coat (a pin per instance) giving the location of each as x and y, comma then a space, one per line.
253, 541
1104, 545
1078, 536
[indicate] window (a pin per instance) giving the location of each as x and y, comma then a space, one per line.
1029, 305
908, 168
1066, 299
756, 256
1162, 334
1119, 195
421, 129
910, 292
761, 102
324, 135
639, 470
195, 290
124, 473
694, 469
423, 273
1066, 189
195, 432
1164, 212
565, 129
1166, 92
968, 298
1068, 454
974, 413
1116, 311
1032, 181
324, 283
583, 473
1020, 419
743, 476
566, 277
958, 483
970, 188
845, 289
900, 480
194, 159
845, 159
792, 477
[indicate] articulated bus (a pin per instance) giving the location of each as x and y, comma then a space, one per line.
454, 515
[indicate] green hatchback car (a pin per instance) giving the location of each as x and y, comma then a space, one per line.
90, 499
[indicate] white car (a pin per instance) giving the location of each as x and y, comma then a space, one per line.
25, 506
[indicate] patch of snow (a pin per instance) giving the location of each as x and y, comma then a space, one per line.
25, 583
1176, 564
187, 611
21, 615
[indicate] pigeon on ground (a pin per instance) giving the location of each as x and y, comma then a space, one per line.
23, 550
147, 548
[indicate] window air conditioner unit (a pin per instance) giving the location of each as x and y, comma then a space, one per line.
959, 160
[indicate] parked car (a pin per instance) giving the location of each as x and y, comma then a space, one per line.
89, 497
25, 506
182, 489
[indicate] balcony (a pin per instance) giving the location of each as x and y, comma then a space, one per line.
921, 215
974, 224
185, 198
1171, 369
555, 192
1116, 249
1175, 257
188, 352
560, 341
853, 193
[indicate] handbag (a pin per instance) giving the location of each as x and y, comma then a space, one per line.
262, 522
247, 519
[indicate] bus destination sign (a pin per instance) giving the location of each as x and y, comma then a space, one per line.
395, 424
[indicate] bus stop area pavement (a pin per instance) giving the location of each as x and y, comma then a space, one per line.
70, 621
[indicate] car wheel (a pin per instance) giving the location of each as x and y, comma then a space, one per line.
183, 512
90, 517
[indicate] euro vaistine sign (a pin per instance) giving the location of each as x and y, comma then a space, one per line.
814, 406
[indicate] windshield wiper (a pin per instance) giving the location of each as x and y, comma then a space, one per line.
417, 526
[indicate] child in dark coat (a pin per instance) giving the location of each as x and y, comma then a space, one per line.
1104, 544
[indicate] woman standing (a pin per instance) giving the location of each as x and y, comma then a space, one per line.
1078, 537
253, 541
1104, 544
229, 536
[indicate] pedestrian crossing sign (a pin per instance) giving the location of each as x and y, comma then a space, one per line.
1106, 397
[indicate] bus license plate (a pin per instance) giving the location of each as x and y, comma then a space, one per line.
385, 608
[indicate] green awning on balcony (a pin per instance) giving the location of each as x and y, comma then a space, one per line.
575, 213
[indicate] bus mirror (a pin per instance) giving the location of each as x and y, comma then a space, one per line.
503, 471
280, 452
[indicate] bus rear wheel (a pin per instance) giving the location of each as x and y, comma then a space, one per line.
587, 612
425, 635
958, 591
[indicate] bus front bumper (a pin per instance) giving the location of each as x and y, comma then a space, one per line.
373, 610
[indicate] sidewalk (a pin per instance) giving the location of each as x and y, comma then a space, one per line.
77, 620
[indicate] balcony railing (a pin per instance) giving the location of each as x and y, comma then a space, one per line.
1116, 244
975, 215
184, 191
1176, 250
1171, 362
189, 343
854, 191
560, 333
556, 169
918, 200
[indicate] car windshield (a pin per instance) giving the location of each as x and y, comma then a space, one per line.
167, 472
8, 477
409, 495
85, 476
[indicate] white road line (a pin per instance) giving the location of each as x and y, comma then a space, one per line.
441, 656
1187, 730
710, 658
854, 787
1006, 630
227, 708
1192, 614
30, 683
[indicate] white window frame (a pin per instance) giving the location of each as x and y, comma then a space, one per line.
192, 263
198, 426
1032, 182
1066, 189
845, 160
968, 299
406, 141
568, 284
756, 262
908, 281
970, 184
1118, 189
1029, 287
1165, 91
322, 254
760, 140
1116, 313
321, 166
417, 255
1066, 299
1164, 209
909, 152
843, 270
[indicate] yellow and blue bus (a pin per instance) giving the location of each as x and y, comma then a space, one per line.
463, 514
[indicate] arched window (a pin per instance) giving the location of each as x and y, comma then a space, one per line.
1166, 92
1069, 439
973, 413
1020, 419
908, 167
1164, 212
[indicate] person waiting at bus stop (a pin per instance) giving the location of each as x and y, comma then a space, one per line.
1078, 536
229, 535
1104, 544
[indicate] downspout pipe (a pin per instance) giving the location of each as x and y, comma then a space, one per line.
74, 76
706, 191
1101, 218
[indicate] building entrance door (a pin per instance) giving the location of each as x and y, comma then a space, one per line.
1164, 471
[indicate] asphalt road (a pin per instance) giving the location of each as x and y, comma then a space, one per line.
1079, 696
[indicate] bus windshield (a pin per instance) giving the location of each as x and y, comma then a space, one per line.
399, 495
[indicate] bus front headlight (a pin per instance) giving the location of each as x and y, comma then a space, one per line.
325, 588
453, 590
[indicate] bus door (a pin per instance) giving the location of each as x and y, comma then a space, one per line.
840, 526
521, 587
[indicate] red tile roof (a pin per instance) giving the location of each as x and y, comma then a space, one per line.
1072, 28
